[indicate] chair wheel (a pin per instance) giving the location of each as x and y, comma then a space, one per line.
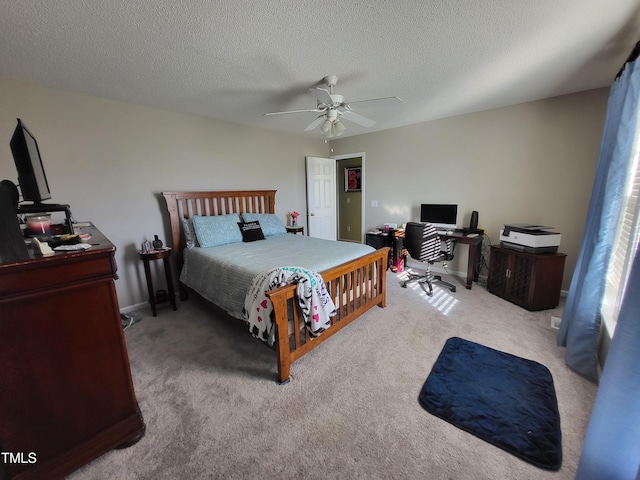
404, 285
453, 289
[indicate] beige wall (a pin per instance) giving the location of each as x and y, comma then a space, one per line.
528, 163
109, 161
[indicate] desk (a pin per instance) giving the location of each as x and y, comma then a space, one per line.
475, 249
475, 253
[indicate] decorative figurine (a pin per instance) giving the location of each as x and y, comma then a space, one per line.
157, 243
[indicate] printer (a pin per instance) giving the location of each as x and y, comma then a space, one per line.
528, 238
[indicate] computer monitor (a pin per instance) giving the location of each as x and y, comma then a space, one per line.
440, 215
31, 177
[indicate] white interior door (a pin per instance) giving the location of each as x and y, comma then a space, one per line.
321, 198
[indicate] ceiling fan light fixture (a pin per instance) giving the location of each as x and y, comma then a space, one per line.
339, 128
326, 126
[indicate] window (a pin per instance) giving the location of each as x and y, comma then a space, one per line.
624, 247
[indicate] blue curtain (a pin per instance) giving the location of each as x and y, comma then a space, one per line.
611, 448
580, 326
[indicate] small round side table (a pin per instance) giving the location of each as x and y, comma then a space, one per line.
165, 255
295, 229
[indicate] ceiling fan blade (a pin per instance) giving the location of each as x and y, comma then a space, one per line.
324, 96
357, 118
315, 123
293, 111
377, 99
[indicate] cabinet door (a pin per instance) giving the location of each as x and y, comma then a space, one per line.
498, 281
521, 275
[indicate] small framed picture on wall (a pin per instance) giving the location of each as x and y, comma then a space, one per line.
353, 179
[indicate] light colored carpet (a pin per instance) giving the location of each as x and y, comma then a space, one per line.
213, 410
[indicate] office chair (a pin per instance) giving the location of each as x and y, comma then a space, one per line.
423, 244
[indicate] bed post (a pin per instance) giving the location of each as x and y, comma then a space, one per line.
382, 280
174, 217
283, 352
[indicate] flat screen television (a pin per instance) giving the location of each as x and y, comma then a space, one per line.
26, 154
440, 215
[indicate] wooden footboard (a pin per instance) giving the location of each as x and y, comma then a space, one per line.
355, 287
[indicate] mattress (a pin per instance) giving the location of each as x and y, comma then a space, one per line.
222, 274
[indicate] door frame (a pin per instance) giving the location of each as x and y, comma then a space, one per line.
360, 155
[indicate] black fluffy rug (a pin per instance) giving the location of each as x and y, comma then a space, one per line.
505, 400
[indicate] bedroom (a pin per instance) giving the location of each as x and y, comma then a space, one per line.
508, 163
111, 159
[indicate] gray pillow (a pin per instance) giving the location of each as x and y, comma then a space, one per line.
189, 233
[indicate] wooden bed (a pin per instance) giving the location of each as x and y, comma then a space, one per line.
355, 286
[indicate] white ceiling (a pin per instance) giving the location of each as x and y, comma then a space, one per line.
236, 60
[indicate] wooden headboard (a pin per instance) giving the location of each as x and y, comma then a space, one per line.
186, 204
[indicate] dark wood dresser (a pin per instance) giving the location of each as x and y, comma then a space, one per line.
66, 394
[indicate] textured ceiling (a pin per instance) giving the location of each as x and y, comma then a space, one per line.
237, 60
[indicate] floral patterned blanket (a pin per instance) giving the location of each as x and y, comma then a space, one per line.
315, 303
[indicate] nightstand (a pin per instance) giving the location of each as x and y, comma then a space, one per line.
165, 255
295, 229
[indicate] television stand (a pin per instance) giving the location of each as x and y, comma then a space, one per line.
49, 207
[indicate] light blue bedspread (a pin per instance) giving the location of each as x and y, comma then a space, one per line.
223, 274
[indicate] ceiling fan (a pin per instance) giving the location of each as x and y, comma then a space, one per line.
332, 107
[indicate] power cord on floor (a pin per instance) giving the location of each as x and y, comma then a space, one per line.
484, 254
127, 320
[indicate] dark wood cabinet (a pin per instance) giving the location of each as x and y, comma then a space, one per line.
531, 281
377, 240
66, 393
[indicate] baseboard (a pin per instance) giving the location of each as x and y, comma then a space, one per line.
349, 240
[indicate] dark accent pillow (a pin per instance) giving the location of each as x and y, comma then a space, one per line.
251, 231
